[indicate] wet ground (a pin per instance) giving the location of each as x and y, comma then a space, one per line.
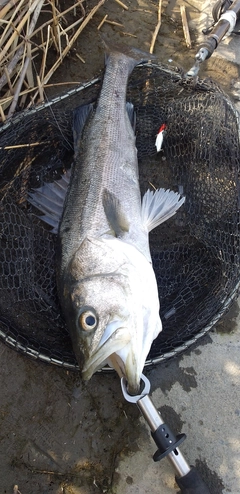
58, 435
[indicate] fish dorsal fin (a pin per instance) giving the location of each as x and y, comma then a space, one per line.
114, 214
80, 117
159, 206
49, 199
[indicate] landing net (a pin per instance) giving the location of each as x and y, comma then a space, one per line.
195, 254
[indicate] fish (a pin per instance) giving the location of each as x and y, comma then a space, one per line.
106, 283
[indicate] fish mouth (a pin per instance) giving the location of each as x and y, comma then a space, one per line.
116, 349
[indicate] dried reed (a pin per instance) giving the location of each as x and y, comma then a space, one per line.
29, 29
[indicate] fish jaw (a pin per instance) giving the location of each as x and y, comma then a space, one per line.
121, 352
125, 346
119, 338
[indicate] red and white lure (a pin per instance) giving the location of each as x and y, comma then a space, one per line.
159, 138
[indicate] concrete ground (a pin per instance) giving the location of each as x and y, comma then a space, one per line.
59, 435
197, 394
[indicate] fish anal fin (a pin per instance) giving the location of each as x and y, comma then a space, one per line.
159, 206
114, 214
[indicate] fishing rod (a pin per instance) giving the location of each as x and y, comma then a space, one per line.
187, 477
224, 26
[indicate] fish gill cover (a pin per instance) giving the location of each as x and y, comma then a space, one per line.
195, 254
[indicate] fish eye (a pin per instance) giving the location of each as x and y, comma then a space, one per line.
87, 319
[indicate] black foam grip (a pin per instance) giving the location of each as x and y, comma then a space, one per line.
192, 483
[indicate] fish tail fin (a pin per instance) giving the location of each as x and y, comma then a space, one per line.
134, 54
159, 206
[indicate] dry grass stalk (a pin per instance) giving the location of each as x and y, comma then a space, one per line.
12, 64
21, 42
114, 23
40, 89
102, 22
153, 186
157, 28
18, 88
55, 27
73, 25
73, 39
3, 118
74, 83
10, 21
8, 80
129, 34
122, 4
45, 52
32, 144
4, 11
185, 26
29, 73
80, 58
7, 100
59, 16
18, 29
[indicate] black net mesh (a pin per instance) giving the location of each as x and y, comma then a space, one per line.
195, 253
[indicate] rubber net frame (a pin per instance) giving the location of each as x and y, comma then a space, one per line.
195, 254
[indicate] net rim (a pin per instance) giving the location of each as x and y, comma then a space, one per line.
33, 354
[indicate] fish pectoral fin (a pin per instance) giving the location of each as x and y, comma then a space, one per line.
159, 206
80, 117
114, 214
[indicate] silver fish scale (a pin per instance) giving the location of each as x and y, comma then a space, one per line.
106, 159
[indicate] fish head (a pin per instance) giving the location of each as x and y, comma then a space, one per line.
110, 302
